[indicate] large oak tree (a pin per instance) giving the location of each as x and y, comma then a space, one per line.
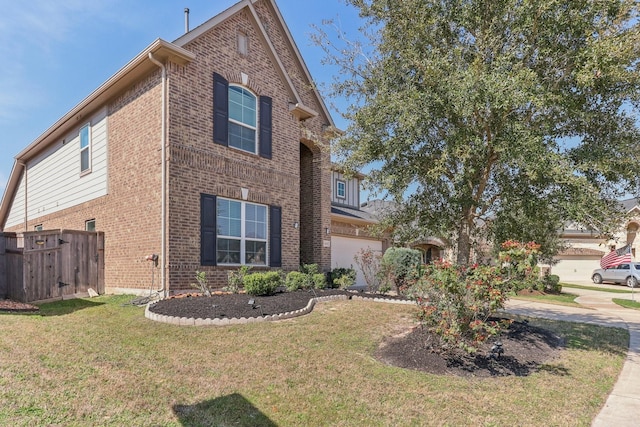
505, 117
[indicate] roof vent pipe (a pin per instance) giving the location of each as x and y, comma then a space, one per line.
186, 20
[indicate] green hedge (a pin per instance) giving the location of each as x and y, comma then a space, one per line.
259, 284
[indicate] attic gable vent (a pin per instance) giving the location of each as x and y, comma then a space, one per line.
243, 43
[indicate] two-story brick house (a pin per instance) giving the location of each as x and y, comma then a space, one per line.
208, 151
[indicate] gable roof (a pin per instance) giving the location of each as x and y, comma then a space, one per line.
296, 106
139, 66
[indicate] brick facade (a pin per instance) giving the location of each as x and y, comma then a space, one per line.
296, 178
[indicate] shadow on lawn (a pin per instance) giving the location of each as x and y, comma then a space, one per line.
232, 409
60, 308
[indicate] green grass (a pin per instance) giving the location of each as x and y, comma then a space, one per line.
596, 288
627, 303
100, 362
558, 299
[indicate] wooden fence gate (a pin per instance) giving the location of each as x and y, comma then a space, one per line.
62, 264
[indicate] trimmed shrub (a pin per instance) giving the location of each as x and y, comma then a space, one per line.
552, 284
260, 284
307, 278
296, 280
319, 281
400, 266
342, 277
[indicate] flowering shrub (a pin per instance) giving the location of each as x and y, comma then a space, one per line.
457, 302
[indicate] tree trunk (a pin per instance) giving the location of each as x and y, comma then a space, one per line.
464, 244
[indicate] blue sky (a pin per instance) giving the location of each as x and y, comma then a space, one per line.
57, 52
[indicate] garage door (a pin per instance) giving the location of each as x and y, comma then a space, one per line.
343, 249
575, 270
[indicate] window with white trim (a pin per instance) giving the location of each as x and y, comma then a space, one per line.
242, 232
242, 119
341, 189
37, 227
85, 149
90, 225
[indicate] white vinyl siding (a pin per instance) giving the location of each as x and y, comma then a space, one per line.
54, 181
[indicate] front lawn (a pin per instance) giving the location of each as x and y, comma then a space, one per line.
563, 298
100, 362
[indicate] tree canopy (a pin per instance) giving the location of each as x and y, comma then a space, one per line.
493, 116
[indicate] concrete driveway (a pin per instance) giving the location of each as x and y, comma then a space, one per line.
622, 407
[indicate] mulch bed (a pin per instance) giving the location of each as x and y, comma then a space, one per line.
526, 348
237, 305
15, 306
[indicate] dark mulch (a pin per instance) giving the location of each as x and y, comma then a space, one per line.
237, 305
526, 348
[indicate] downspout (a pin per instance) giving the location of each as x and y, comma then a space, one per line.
26, 211
163, 139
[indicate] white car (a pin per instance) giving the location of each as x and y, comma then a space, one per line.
627, 273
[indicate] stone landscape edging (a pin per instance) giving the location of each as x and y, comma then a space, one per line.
190, 321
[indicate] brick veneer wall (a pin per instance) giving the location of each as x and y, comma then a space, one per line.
130, 215
198, 165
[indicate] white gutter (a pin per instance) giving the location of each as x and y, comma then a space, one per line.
163, 139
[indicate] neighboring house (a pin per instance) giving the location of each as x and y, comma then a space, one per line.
586, 247
207, 151
432, 248
351, 226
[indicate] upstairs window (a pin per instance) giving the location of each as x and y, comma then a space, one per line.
85, 149
242, 119
341, 189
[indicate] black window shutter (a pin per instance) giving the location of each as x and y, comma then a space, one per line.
208, 239
275, 236
265, 127
220, 110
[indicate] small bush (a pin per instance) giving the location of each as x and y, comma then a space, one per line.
307, 278
296, 280
259, 284
369, 262
400, 266
319, 281
202, 283
235, 279
342, 277
552, 284
309, 269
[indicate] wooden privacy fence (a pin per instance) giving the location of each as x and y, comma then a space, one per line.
53, 264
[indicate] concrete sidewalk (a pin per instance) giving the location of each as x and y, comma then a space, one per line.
622, 407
